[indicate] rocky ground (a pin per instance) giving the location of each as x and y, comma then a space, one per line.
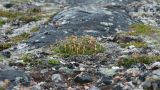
126, 56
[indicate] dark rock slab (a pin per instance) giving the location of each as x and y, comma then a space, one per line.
47, 35
8, 5
97, 22
99, 18
87, 2
14, 76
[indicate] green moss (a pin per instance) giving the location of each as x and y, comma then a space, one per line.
2, 88
136, 44
25, 17
145, 59
20, 38
85, 45
142, 29
34, 10
2, 22
28, 18
53, 62
35, 29
4, 46
20, 1
9, 14
1, 58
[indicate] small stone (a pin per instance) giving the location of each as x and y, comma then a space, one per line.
156, 72
115, 68
37, 86
126, 87
44, 70
142, 77
8, 5
131, 47
107, 72
82, 69
117, 87
56, 78
117, 78
133, 71
66, 70
155, 65
94, 88
70, 66
86, 87
83, 78
107, 80
6, 54
128, 78
70, 88
158, 83
146, 84
46, 33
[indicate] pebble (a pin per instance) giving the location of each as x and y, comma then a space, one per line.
56, 78
83, 78
107, 71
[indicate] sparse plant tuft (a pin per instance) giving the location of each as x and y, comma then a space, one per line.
19, 38
73, 45
5, 46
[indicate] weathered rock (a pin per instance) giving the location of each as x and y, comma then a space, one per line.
117, 87
6, 54
107, 80
126, 39
56, 78
15, 77
83, 78
98, 22
107, 72
66, 70
156, 72
143, 76
94, 88
8, 5
155, 65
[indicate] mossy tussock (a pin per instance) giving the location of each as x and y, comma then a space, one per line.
14, 40
1, 59
54, 62
4, 46
9, 14
33, 14
2, 22
19, 38
31, 59
144, 59
35, 29
136, 44
142, 29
